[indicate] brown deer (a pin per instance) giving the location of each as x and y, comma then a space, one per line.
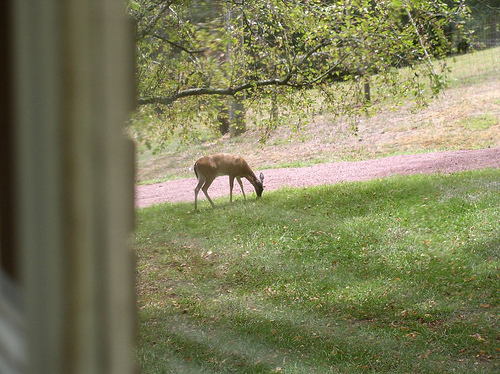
210, 167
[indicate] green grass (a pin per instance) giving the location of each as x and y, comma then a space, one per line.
473, 68
398, 275
480, 122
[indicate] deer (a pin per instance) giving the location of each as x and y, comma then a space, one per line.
208, 168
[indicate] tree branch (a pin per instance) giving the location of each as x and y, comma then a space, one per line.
421, 42
231, 91
182, 48
483, 3
154, 20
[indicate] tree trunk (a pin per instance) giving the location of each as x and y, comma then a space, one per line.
367, 93
237, 117
223, 118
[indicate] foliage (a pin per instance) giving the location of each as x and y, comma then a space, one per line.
194, 55
484, 24
398, 275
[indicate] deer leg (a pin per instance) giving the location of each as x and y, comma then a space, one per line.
205, 191
231, 184
241, 186
201, 181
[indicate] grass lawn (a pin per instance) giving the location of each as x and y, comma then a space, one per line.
399, 275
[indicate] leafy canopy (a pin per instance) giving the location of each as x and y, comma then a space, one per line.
283, 56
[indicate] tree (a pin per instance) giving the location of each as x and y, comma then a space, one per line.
192, 56
483, 26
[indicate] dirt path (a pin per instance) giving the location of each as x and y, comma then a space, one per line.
439, 162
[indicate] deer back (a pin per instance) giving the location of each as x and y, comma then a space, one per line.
226, 164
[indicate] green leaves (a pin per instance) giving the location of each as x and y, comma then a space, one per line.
134, 5
265, 49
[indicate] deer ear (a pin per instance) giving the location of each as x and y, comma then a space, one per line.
261, 177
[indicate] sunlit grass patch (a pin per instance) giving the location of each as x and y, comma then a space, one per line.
479, 122
476, 67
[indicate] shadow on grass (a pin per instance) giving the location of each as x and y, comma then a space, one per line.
398, 275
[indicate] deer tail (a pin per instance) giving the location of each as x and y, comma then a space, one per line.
195, 167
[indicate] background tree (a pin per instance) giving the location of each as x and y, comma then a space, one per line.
278, 57
484, 25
